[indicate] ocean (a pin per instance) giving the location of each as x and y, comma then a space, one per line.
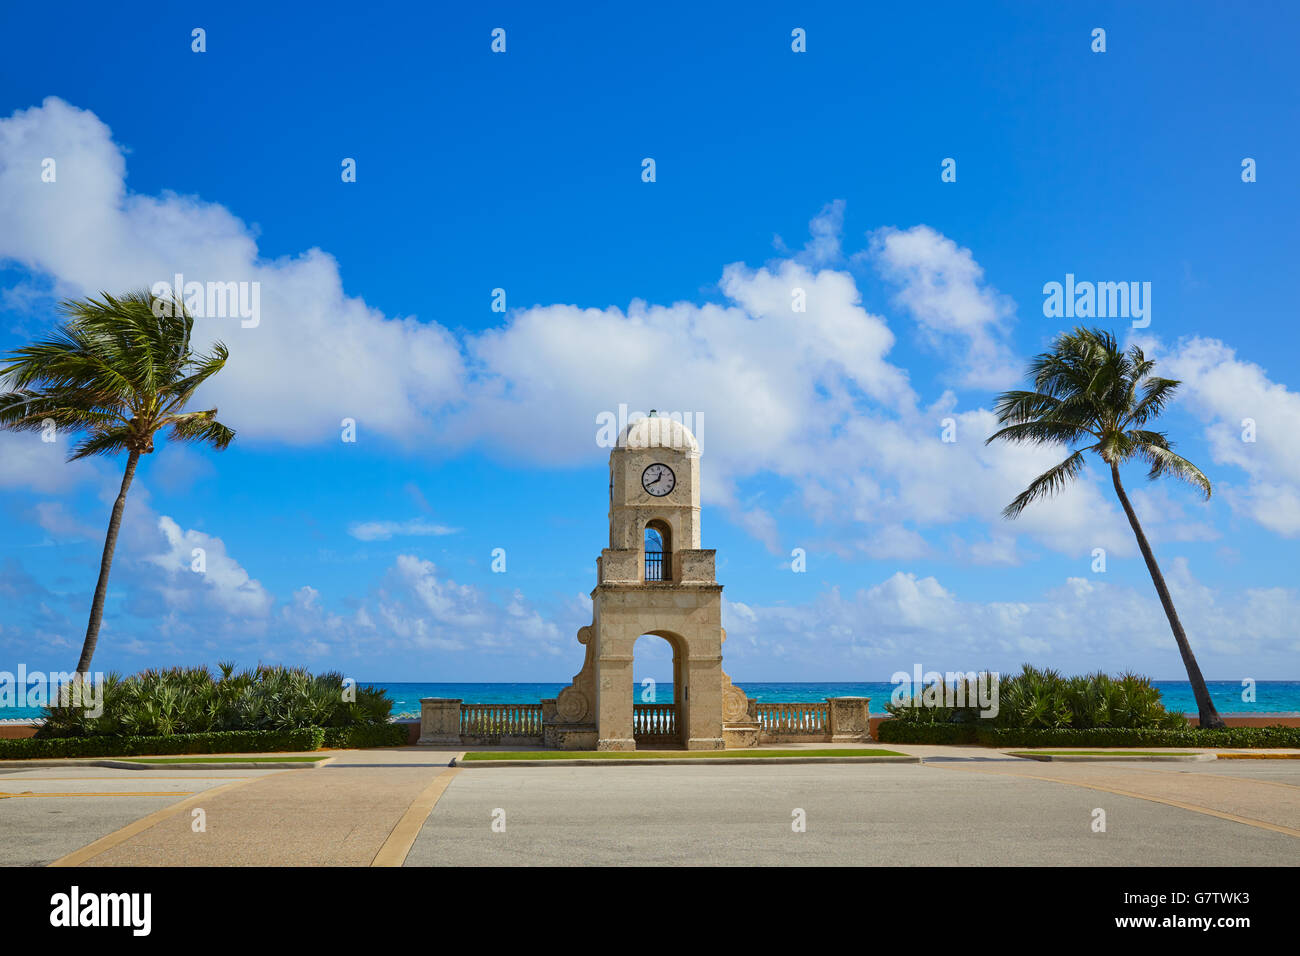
1271, 697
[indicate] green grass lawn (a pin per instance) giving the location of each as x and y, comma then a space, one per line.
1102, 753
664, 754
250, 759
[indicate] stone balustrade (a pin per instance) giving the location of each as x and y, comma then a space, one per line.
654, 722
452, 722
803, 721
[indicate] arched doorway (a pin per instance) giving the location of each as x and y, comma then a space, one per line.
657, 692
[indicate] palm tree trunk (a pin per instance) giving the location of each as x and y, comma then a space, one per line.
105, 565
1209, 716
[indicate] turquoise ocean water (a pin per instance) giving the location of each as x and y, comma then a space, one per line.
1270, 696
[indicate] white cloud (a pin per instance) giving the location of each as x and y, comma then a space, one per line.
809, 397
1080, 625
943, 287
223, 585
317, 356
1225, 391
383, 530
61, 523
418, 609
27, 463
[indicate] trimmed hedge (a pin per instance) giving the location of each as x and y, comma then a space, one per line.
215, 742
902, 732
367, 735
896, 731
1276, 736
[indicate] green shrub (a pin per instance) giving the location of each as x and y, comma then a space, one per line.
188, 700
367, 735
1043, 699
227, 741
907, 732
1276, 736
926, 706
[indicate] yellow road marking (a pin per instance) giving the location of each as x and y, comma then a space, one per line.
1248, 821
187, 778
78, 857
158, 793
1259, 756
1221, 775
402, 837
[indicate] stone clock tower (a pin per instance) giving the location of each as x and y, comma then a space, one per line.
654, 578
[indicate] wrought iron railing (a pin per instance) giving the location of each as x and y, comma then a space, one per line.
656, 566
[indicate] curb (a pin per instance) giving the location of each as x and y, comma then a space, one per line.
1259, 756
1107, 758
675, 762
131, 765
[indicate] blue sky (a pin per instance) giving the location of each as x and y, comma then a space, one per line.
774, 170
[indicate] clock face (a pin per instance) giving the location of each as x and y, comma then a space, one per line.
658, 479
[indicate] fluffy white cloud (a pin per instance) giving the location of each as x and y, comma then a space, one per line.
943, 287
416, 610
195, 570
1227, 391
1112, 621
317, 356
810, 397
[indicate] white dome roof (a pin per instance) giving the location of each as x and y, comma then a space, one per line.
656, 432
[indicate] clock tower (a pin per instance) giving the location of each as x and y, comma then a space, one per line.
654, 578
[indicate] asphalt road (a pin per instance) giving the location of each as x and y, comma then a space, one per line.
964, 813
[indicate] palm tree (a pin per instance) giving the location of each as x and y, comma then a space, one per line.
1090, 389
118, 371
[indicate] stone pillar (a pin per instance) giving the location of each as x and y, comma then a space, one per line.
614, 703
703, 690
440, 721
849, 719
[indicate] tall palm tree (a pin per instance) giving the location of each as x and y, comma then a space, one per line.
1089, 389
117, 371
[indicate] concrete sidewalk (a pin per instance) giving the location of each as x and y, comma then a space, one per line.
341, 814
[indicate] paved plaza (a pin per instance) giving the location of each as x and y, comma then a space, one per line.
962, 806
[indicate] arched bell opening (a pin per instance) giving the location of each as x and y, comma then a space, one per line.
658, 546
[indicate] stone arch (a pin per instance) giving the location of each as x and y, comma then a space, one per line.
660, 722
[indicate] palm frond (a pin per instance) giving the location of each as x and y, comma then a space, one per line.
1163, 462
119, 369
201, 427
1046, 484
103, 442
